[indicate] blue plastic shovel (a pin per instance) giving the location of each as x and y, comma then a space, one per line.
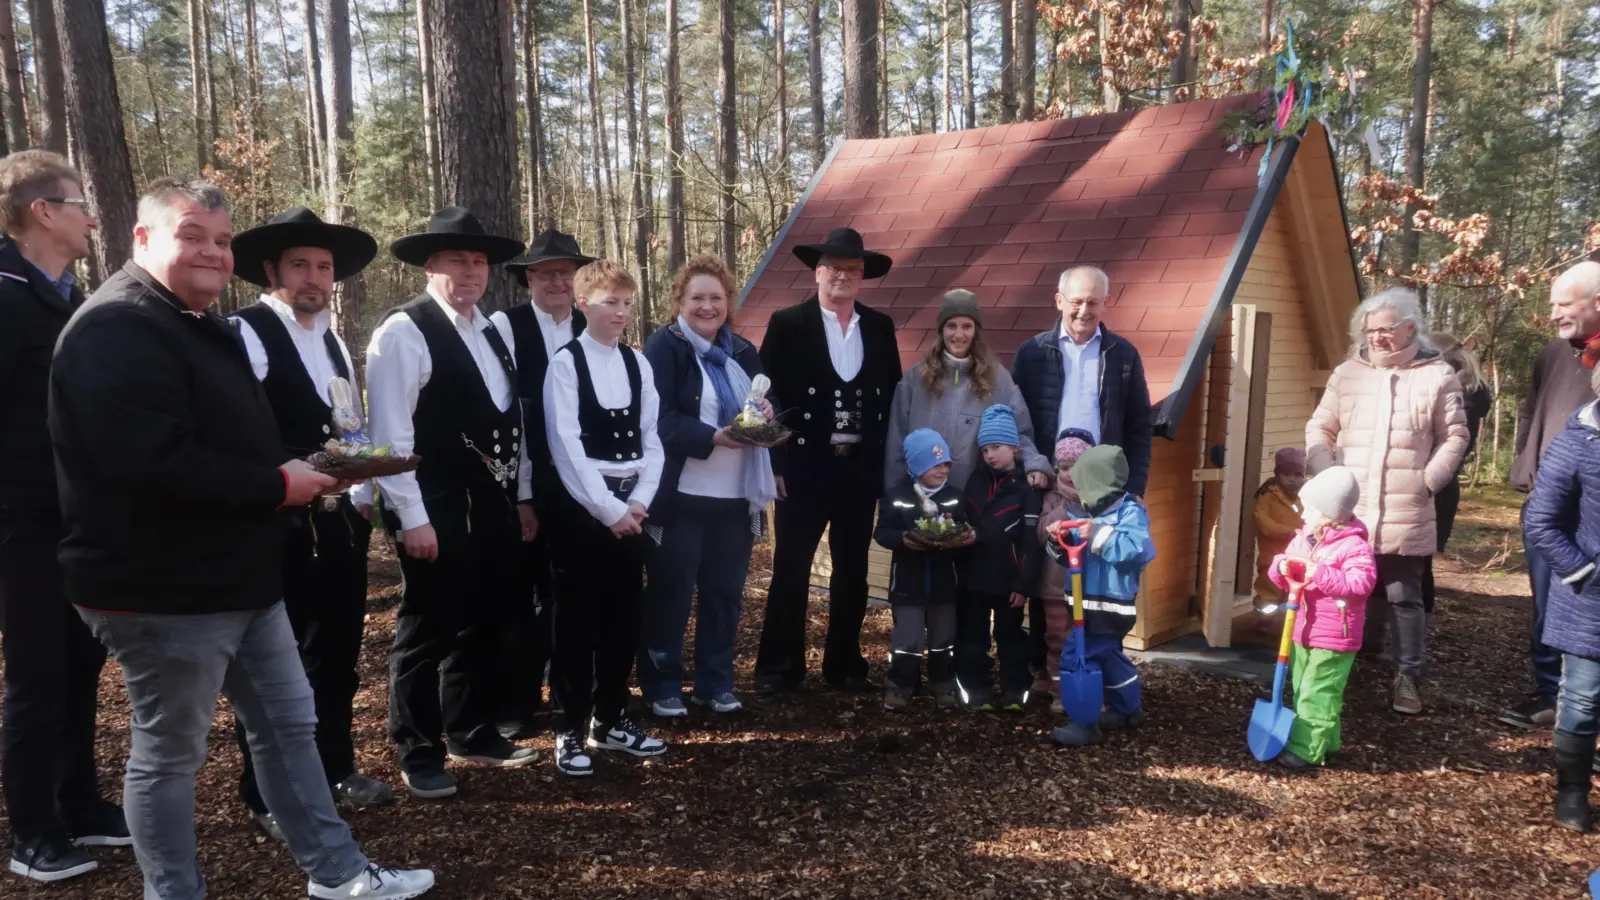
1270, 723
1082, 688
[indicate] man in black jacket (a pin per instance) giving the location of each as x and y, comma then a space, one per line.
834, 364
52, 661
172, 477
1081, 375
1560, 385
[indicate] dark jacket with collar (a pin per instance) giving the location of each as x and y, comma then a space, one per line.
1559, 387
920, 577
679, 384
167, 453
795, 353
1561, 522
532, 364
32, 314
1126, 419
1004, 511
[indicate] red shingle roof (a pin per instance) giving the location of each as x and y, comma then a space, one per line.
1151, 196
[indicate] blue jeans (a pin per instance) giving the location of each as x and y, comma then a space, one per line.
1546, 660
1118, 675
174, 666
1578, 708
707, 545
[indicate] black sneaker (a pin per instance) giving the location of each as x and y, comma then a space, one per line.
571, 756
1537, 712
497, 752
359, 792
430, 784
519, 730
50, 859
102, 826
624, 736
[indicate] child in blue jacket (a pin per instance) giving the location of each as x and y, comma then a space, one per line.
1120, 546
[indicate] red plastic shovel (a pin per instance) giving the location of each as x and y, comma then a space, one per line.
1082, 688
1270, 723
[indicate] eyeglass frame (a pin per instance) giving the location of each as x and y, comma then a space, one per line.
81, 202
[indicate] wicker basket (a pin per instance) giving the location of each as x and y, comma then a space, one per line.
360, 468
947, 542
770, 433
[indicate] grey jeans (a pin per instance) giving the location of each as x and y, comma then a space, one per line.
174, 666
1396, 604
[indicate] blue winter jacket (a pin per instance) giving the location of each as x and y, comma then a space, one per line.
1120, 547
1562, 523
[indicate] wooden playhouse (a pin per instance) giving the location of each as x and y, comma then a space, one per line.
1235, 288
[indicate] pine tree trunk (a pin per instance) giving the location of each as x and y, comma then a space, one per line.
944, 40
210, 81
477, 165
11, 80
260, 176
339, 115
595, 131
1008, 64
197, 50
155, 105
50, 78
1027, 58
860, 69
637, 161
1111, 96
102, 147
677, 237
508, 86
969, 108
304, 136
883, 67
728, 132
1265, 42
1417, 130
316, 115
1180, 70
430, 106
647, 222
531, 99
781, 63
819, 114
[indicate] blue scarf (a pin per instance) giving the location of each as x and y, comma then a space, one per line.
728, 378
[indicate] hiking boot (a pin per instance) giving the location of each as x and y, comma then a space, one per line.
1291, 761
571, 757
851, 684
1073, 734
624, 736
49, 859
946, 698
896, 699
1407, 699
1536, 712
359, 792
670, 708
1111, 720
497, 752
103, 825
433, 784
721, 704
1574, 772
1014, 701
377, 883
268, 823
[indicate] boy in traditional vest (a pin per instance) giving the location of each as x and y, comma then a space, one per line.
600, 415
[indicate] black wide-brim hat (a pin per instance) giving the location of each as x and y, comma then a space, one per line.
454, 228
845, 243
352, 248
552, 244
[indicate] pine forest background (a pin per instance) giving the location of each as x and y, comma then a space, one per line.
1467, 131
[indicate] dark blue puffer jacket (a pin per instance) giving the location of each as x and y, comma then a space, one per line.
1562, 523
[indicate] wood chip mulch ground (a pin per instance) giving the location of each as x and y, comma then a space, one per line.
825, 795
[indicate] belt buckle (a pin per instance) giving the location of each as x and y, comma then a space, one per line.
330, 502
844, 448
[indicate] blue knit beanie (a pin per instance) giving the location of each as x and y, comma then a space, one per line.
999, 426
924, 450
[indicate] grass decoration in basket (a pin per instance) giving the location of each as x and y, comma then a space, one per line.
351, 456
941, 531
751, 425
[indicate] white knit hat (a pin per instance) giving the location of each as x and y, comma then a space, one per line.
1333, 493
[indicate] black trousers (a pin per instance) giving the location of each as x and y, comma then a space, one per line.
325, 595
445, 665
52, 686
974, 667
595, 618
1445, 504
833, 495
527, 641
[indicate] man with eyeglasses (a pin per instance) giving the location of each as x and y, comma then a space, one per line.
834, 363
539, 328
52, 661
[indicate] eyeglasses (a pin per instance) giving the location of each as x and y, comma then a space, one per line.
81, 203
550, 275
1386, 331
845, 273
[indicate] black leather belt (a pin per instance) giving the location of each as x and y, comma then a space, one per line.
847, 448
621, 487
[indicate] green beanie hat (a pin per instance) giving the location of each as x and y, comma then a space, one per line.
959, 303
1101, 477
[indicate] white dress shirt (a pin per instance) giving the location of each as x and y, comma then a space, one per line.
582, 475
398, 367
308, 342
556, 334
1080, 385
846, 352
721, 474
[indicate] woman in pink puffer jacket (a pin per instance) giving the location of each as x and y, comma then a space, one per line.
1332, 558
1393, 415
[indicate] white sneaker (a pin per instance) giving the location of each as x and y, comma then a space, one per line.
624, 736
724, 702
571, 758
671, 708
377, 882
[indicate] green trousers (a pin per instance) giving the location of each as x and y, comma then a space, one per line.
1319, 678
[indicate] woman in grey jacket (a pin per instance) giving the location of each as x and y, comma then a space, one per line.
948, 392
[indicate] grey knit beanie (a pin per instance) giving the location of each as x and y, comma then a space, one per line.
959, 303
1334, 493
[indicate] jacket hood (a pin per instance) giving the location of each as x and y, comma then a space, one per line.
1101, 477
1587, 417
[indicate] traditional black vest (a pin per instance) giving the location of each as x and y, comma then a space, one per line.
848, 399
532, 363
305, 421
465, 441
610, 435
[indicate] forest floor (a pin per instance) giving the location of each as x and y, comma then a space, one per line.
825, 795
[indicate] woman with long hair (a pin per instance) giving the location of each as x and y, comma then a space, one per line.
1477, 398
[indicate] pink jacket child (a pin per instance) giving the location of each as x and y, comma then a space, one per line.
1332, 556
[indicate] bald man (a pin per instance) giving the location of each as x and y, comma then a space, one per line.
1559, 387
